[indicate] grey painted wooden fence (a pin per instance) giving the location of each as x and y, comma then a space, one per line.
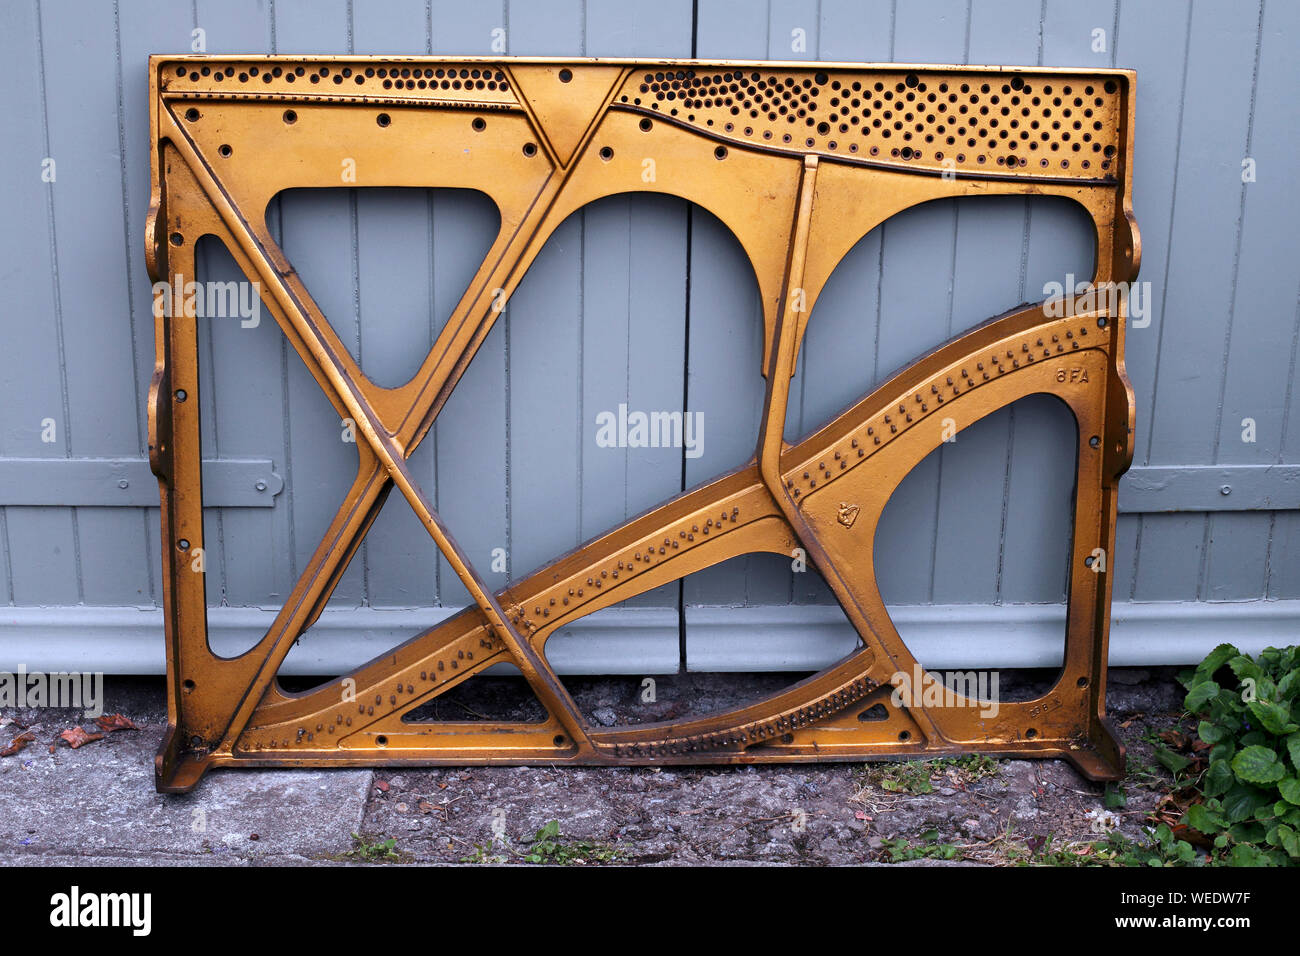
648, 303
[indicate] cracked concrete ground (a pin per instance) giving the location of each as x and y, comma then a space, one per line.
97, 804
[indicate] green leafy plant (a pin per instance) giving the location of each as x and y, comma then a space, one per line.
485, 853
548, 846
1144, 775
912, 776
918, 776
899, 849
373, 850
1248, 813
1162, 848
969, 768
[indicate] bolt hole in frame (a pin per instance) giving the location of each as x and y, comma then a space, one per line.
798, 161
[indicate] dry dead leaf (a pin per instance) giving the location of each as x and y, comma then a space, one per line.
18, 743
1175, 739
111, 722
77, 737
1194, 837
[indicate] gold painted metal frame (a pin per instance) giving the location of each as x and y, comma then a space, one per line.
799, 161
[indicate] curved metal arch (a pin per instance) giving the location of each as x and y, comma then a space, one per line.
711, 206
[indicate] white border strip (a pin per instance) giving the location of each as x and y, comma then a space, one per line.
809, 637
118, 640
124, 640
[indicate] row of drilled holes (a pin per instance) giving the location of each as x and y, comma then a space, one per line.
406, 77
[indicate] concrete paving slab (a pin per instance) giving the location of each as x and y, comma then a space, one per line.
98, 802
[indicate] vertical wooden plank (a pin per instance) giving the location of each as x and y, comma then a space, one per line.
81, 120
837, 359
662, 29
390, 27
793, 29
623, 351
318, 229
856, 31
544, 329
634, 342
1005, 34
1123, 563
465, 452
1058, 241
604, 380
1059, 232
1258, 350
915, 314
632, 354
1169, 557
91, 269
546, 27
1042, 449
1236, 559
1284, 558
40, 543
1078, 34
1197, 291
838, 356
733, 29
987, 279
725, 326
544, 339
469, 443
633, 305
393, 230
395, 296
1039, 521
1153, 39
1284, 542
